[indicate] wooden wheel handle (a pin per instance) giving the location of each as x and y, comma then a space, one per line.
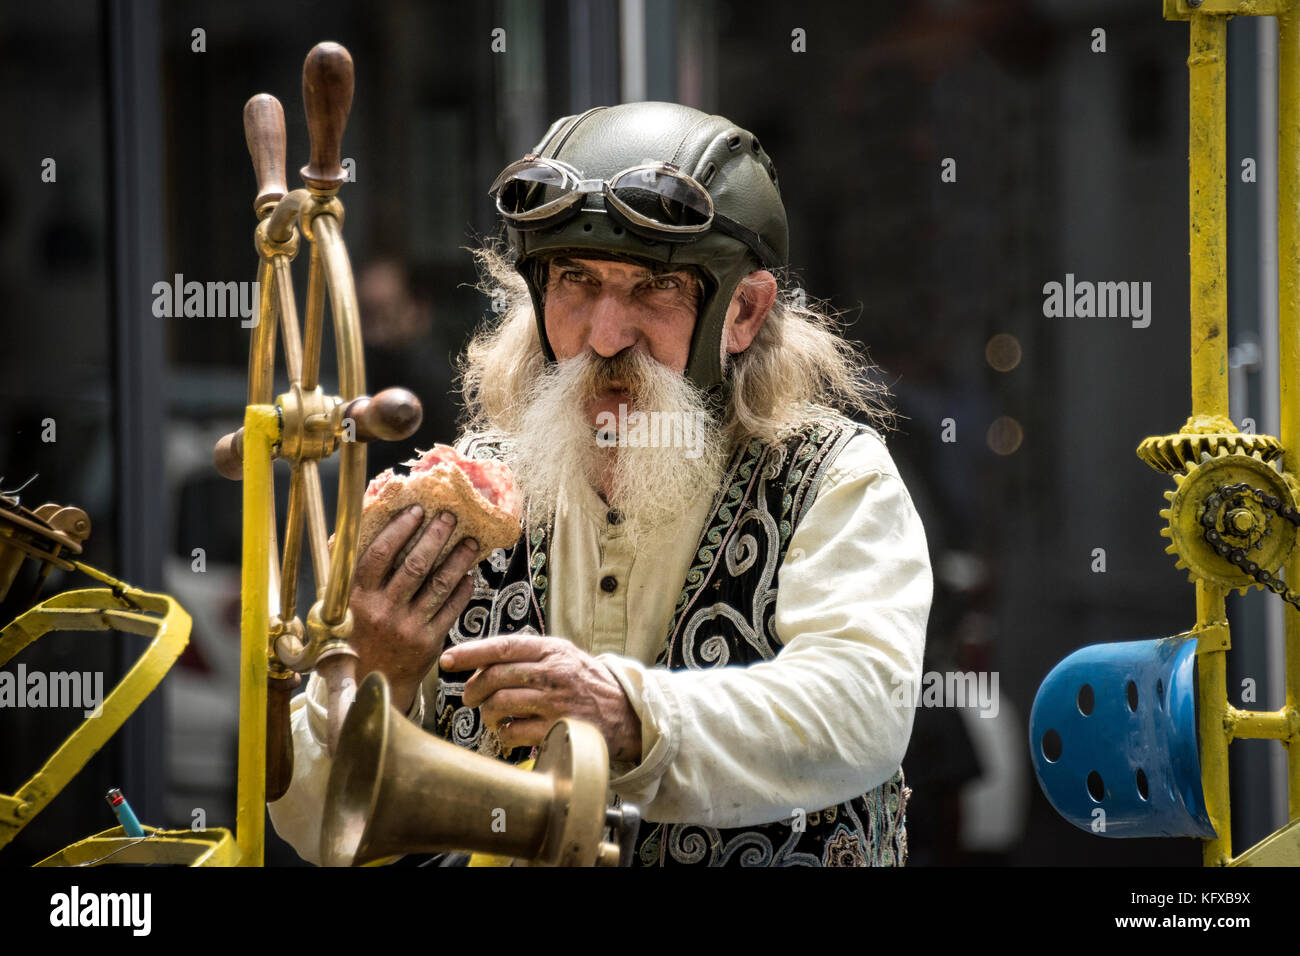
392, 415
327, 94
264, 132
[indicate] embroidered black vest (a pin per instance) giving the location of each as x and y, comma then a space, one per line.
766, 492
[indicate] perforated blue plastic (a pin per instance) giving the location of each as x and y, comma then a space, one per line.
1114, 728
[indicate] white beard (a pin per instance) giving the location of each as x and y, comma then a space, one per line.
651, 483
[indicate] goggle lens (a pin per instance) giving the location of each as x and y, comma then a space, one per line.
522, 187
663, 197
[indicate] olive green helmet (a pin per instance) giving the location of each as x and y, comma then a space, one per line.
747, 229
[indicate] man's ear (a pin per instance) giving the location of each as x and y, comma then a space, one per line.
749, 306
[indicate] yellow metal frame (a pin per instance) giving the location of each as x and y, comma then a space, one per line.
1219, 721
210, 847
118, 607
122, 608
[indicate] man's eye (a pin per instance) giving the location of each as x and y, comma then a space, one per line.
665, 283
573, 275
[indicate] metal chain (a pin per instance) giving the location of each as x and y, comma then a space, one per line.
1237, 556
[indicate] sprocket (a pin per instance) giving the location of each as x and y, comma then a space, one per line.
1240, 518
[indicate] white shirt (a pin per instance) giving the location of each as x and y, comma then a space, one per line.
825, 721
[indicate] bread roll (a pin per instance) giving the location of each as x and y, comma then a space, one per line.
481, 493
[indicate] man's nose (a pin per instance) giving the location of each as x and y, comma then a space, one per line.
612, 329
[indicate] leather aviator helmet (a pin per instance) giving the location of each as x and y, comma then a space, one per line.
657, 184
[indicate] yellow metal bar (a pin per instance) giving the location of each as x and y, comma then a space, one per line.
210, 847
1182, 10
1207, 215
261, 432
1288, 312
1212, 673
1260, 724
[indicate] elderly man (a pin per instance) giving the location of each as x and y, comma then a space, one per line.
719, 570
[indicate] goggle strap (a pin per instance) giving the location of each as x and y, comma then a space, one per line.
729, 227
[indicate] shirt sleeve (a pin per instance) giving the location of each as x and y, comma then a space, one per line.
828, 718
297, 816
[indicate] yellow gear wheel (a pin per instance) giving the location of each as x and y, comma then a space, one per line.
1240, 518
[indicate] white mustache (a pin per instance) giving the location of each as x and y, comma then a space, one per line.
662, 454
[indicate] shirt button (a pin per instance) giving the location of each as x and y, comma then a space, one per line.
614, 516
608, 583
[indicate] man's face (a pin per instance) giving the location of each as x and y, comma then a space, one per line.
608, 306
622, 336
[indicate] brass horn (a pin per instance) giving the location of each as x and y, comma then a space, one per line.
396, 789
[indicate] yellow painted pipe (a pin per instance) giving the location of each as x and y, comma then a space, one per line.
1212, 673
1207, 209
1259, 724
1208, 238
261, 432
1288, 311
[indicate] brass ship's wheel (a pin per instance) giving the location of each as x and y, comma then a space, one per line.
313, 424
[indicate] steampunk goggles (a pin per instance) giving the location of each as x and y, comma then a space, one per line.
655, 200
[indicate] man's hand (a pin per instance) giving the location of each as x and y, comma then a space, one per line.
401, 616
523, 685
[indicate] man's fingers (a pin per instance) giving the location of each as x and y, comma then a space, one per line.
374, 565
497, 677
528, 732
495, 650
515, 702
453, 607
410, 574
455, 566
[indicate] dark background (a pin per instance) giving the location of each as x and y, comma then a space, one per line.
1068, 160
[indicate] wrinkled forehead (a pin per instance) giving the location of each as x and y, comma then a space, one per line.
587, 259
